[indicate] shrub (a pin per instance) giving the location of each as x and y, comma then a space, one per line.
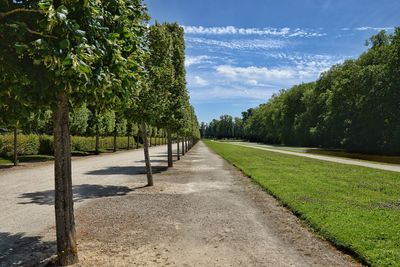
27, 144
46, 145
81, 143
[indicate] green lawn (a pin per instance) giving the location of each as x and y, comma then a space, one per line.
356, 208
26, 158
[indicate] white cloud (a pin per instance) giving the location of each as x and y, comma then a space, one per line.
238, 44
229, 93
197, 80
367, 28
231, 30
254, 73
196, 60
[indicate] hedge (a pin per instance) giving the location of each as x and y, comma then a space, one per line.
27, 144
43, 144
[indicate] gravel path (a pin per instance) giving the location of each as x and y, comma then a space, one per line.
26, 198
202, 212
387, 167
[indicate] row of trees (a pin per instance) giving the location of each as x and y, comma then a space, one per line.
353, 106
94, 66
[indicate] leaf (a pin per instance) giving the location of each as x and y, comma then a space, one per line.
62, 13
64, 44
20, 48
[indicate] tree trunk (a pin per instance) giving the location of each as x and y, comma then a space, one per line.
170, 162
115, 140
129, 142
147, 155
178, 153
183, 146
64, 205
15, 156
97, 149
137, 141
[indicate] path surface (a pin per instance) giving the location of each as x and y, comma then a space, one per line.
27, 196
202, 212
387, 167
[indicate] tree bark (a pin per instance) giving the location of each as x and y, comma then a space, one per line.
178, 153
147, 155
115, 140
129, 142
137, 141
64, 205
169, 148
183, 146
97, 149
15, 156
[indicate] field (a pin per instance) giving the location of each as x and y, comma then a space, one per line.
356, 208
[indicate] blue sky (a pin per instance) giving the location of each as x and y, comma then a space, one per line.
239, 53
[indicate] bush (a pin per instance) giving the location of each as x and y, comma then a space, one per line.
80, 143
27, 144
43, 144
46, 145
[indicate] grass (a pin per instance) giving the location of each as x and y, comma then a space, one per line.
27, 158
356, 208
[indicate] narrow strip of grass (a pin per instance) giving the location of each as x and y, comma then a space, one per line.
356, 208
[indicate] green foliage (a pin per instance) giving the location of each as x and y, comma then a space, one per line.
356, 208
79, 120
27, 144
43, 144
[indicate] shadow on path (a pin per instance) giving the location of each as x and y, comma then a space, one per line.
21, 250
81, 192
126, 170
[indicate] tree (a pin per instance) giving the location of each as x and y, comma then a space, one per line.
77, 58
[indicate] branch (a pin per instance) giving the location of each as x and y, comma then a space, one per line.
19, 10
41, 34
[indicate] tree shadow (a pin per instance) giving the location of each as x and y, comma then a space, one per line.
21, 250
155, 161
6, 166
81, 193
126, 170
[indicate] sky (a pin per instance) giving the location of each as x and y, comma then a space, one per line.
240, 52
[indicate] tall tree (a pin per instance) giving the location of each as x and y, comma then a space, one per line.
84, 54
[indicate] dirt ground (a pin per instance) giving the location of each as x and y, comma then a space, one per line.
201, 212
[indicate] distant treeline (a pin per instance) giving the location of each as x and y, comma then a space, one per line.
354, 106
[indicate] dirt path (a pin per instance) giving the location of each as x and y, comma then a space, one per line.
386, 167
202, 212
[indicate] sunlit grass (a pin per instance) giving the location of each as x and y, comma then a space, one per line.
356, 208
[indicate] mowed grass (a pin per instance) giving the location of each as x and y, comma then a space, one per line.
356, 208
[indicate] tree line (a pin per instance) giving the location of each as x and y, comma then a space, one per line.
91, 68
353, 106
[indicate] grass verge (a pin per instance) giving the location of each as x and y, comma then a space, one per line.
356, 208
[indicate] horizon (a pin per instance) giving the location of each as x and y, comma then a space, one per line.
238, 56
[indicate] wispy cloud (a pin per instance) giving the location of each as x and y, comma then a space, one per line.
229, 93
374, 28
231, 30
197, 81
196, 60
253, 73
368, 28
249, 44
